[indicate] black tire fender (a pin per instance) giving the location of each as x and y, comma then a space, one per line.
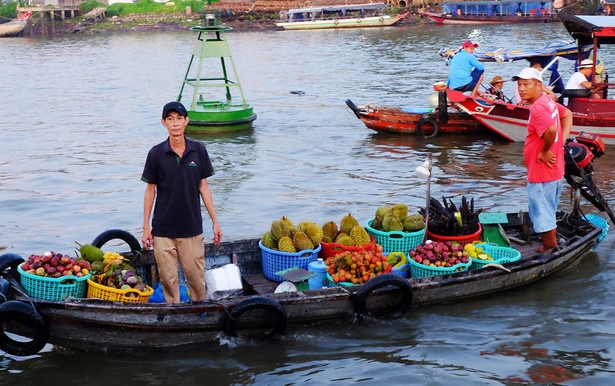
426, 120
5, 286
25, 314
360, 297
120, 234
10, 260
442, 107
257, 302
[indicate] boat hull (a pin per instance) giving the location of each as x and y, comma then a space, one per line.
12, 28
478, 19
95, 325
372, 21
510, 121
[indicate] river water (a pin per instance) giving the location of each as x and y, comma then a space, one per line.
79, 114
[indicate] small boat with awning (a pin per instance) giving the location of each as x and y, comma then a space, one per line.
338, 16
493, 12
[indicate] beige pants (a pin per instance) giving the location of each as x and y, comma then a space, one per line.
190, 252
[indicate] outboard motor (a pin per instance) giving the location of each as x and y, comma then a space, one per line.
579, 170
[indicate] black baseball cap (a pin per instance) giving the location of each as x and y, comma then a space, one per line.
174, 106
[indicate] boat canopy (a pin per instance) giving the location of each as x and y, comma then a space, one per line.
343, 8
584, 28
497, 8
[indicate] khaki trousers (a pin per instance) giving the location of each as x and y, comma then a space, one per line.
190, 252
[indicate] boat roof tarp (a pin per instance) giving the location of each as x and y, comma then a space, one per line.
333, 8
506, 7
583, 28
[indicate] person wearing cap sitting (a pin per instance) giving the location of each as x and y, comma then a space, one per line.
176, 172
466, 72
580, 79
548, 127
495, 91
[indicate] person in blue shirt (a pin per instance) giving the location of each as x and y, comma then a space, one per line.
466, 72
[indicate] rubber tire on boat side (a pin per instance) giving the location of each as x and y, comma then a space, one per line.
120, 234
5, 286
360, 297
257, 302
381, 19
27, 315
425, 120
10, 260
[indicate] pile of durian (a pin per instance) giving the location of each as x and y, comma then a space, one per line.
284, 236
350, 233
396, 218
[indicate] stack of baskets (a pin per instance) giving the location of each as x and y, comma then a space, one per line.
331, 249
51, 288
276, 261
462, 240
395, 241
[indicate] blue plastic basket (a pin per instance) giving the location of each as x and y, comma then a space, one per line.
422, 270
403, 271
276, 261
500, 255
51, 288
395, 241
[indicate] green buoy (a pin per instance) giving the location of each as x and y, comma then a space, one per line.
210, 81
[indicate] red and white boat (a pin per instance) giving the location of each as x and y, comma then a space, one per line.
589, 114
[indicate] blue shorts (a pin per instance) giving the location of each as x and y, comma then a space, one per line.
543, 199
476, 74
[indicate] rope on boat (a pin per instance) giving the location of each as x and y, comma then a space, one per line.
500, 266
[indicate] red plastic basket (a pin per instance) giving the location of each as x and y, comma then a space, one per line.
464, 239
331, 249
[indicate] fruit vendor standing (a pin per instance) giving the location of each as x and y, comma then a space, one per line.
547, 129
176, 173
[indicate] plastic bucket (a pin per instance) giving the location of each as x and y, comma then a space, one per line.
318, 268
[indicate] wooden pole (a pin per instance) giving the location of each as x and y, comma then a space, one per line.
43, 27
52, 19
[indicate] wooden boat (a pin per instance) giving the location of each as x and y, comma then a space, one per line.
492, 12
420, 121
338, 16
15, 26
589, 114
96, 325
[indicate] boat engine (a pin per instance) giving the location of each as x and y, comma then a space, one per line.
579, 157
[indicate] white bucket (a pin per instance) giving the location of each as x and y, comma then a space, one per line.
225, 278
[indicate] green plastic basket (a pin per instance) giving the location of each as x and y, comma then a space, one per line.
422, 270
51, 288
395, 241
500, 255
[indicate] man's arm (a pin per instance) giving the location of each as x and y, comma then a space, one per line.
148, 204
209, 205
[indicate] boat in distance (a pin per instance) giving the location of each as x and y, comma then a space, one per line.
111, 326
338, 16
492, 12
16, 25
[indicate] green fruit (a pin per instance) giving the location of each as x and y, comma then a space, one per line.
301, 241
330, 230
279, 229
360, 235
347, 223
414, 222
268, 241
400, 211
286, 245
91, 253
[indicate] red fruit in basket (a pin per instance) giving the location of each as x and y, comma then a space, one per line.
465, 259
429, 246
25, 266
57, 274
65, 259
418, 259
51, 270
378, 248
76, 268
36, 264
55, 261
68, 266
60, 268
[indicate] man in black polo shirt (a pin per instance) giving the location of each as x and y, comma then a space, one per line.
176, 173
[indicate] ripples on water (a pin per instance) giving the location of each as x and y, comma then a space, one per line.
80, 113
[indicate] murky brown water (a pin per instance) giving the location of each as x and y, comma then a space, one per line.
79, 113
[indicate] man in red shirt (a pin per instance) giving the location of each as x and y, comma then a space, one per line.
547, 129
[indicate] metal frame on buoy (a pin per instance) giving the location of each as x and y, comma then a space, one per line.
213, 78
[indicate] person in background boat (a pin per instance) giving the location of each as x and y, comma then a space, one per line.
548, 127
466, 72
495, 91
176, 172
580, 79
537, 64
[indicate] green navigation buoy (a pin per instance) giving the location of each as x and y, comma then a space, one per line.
209, 83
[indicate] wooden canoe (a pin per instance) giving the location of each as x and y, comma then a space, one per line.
92, 324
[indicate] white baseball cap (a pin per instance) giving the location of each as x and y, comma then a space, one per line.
528, 73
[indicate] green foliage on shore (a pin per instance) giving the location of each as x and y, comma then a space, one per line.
8, 11
89, 5
150, 6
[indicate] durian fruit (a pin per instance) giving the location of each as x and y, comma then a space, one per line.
376, 224
326, 239
268, 241
279, 229
340, 235
360, 235
348, 222
288, 222
345, 240
314, 232
414, 222
381, 212
285, 244
392, 223
330, 230
301, 241
400, 210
